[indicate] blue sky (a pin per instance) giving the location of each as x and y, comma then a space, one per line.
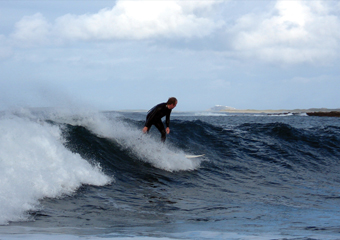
115, 55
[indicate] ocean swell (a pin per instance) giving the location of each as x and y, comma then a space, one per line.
35, 164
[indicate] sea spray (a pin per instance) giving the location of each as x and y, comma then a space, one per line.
144, 147
130, 138
34, 164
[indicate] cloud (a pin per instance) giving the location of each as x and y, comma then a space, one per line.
133, 20
290, 32
293, 32
32, 30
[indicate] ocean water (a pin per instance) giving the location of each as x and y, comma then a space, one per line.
94, 175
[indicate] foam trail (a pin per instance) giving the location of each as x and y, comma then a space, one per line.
160, 155
142, 146
35, 164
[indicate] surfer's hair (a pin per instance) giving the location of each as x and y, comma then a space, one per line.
171, 100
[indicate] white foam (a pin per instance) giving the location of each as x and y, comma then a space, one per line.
146, 148
35, 164
130, 138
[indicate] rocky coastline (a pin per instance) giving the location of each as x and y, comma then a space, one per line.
324, 114
318, 112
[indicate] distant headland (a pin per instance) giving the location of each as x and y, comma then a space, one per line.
321, 112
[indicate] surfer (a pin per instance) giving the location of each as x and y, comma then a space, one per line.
156, 114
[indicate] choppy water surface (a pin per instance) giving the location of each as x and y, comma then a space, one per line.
95, 175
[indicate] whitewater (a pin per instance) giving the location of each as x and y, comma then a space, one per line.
94, 175
35, 164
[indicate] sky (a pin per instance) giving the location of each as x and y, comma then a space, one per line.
134, 54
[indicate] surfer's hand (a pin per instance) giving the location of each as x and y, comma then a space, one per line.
145, 129
167, 130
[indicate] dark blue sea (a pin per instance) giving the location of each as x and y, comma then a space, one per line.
77, 174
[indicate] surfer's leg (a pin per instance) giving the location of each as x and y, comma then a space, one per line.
159, 125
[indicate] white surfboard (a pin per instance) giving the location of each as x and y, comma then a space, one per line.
194, 156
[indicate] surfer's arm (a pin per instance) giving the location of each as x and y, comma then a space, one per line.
167, 120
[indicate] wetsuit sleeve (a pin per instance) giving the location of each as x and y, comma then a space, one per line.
167, 121
147, 123
148, 120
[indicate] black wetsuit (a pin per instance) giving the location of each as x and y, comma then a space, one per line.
154, 117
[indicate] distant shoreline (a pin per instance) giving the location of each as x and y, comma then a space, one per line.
309, 112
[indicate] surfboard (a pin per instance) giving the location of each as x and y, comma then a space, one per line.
194, 156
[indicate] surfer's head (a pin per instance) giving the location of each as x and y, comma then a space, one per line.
171, 103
